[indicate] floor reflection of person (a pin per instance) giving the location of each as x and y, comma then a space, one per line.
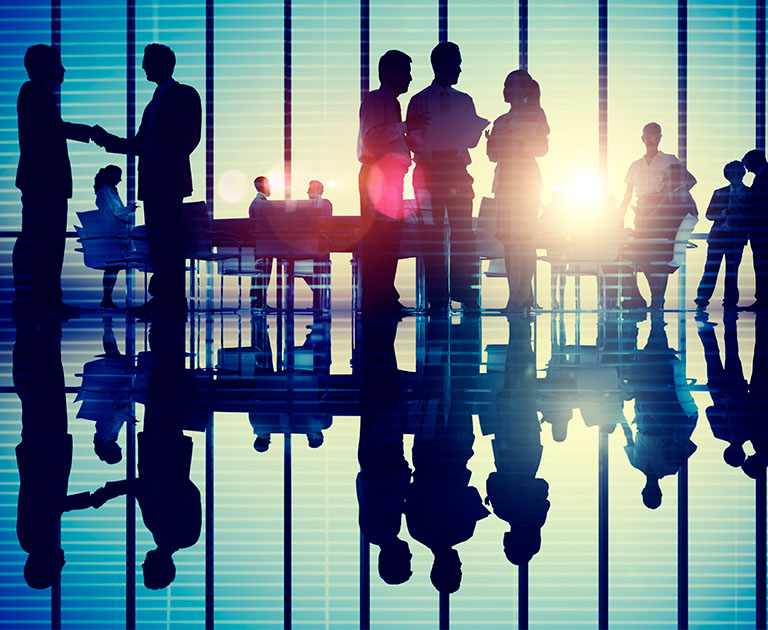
665, 414
755, 465
384, 474
729, 415
513, 490
441, 508
44, 455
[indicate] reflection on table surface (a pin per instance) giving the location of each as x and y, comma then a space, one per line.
564, 469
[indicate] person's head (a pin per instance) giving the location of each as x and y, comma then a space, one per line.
651, 136
159, 570
43, 63
261, 184
446, 63
517, 88
159, 62
108, 176
734, 455
446, 571
521, 545
315, 189
315, 439
395, 71
754, 466
651, 493
261, 443
108, 452
43, 568
734, 172
395, 562
753, 160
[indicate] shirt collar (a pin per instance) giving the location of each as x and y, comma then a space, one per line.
163, 87
439, 88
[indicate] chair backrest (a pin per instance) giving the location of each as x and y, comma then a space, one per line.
196, 230
95, 223
681, 240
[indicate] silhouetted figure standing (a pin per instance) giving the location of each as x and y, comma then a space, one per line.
729, 416
727, 237
757, 223
168, 134
44, 177
258, 211
665, 414
117, 215
645, 179
516, 140
443, 187
382, 482
516, 494
385, 159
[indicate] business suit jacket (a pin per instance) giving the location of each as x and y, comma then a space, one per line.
44, 170
758, 202
164, 142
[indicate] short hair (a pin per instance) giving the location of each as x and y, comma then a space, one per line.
316, 183
446, 571
163, 56
43, 569
158, 568
391, 62
734, 168
37, 57
443, 53
259, 181
652, 126
395, 563
755, 155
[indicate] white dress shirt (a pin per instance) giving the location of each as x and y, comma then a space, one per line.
382, 130
647, 178
435, 100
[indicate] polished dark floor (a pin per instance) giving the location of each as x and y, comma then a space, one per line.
563, 470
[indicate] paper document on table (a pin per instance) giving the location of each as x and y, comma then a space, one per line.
455, 131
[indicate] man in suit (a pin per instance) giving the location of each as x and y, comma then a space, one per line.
44, 177
757, 221
385, 159
443, 186
168, 134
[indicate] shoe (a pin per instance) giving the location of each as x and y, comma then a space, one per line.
701, 305
754, 307
107, 303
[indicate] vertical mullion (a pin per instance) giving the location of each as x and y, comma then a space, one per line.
130, 123
602, 62
602, 529
365, 47
523, 34
760, 74
287, 525
287, 120
442, 21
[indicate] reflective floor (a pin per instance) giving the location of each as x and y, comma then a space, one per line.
564, 470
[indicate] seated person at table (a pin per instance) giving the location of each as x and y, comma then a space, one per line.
260, 283
320, 266
652, 247
118, 216
727, 237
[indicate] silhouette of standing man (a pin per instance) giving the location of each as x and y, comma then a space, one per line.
44, 177
168, 134
441, 182
754, 161
385, 159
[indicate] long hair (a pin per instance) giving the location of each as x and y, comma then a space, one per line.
107, 176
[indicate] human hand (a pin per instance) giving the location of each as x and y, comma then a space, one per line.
99, 135
487, 134
418, 121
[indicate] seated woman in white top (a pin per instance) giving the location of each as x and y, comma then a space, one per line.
109, 203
